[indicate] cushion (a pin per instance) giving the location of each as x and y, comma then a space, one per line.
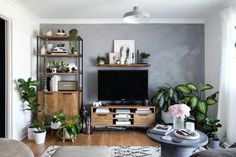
229, 152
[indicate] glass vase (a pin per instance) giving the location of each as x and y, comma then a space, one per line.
178, 122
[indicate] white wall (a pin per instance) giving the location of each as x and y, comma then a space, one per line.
212, 54
24, 30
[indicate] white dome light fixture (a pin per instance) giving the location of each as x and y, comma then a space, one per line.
136, 16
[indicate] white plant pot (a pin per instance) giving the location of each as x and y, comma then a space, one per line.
31, 133
39, 137
66, 134
166, 117
55, 125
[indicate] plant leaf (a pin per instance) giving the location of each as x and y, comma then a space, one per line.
213, 95
194, 102
184, 89
161, 101
192, 86
200, 117
206, 87
202, 107
211, 101
171, 92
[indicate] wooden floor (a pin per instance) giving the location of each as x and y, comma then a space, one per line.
98, 138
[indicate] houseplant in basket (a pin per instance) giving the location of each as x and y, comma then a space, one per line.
211, 127
28, 94
70, 128
164, 97
57, 119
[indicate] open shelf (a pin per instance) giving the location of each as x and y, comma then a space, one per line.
62, 73
61, 55
56, 38
122, 65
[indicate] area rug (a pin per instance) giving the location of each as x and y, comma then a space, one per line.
113, 151
106, 151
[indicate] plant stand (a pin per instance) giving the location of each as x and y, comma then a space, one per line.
66, 136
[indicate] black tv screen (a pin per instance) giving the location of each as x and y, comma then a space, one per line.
128, 85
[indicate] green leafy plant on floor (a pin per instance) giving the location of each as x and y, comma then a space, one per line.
194, 97
28, 94
211, 127
57, 117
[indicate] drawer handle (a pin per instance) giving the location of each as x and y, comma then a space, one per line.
143, 114
67, 93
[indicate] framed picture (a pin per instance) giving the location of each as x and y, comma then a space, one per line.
113, 57
126, 50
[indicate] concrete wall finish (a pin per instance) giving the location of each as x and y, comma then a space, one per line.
177, 51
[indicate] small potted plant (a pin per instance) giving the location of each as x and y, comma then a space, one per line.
39, 132
144, 57
70, 128
211, 126
28, 94
57, 119
101, 60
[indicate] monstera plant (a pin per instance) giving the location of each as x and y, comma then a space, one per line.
194, 97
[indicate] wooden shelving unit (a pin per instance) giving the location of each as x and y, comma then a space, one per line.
56, 38
122, 65
136, 119
60, 55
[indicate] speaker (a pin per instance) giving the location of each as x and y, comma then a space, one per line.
67, 85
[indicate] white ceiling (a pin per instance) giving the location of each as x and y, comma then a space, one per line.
114, 9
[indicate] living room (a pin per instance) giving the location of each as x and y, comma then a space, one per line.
187, 43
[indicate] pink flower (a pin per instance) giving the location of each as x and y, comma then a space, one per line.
179, 110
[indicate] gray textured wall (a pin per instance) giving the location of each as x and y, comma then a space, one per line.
177, 51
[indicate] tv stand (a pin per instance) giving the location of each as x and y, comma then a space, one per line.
122, 116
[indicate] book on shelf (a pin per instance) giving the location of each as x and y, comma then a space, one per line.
162, 129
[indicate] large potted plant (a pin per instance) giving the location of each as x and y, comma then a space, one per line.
28, 94
70, 128
194, 97
211, 127
163, 99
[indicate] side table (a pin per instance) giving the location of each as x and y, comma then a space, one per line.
182, 149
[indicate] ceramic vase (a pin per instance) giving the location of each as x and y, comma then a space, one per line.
178, 122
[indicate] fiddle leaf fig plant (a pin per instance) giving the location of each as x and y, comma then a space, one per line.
28, 94
211, 126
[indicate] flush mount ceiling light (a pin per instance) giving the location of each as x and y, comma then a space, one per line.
136, 16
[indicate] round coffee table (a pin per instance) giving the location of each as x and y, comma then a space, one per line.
182, 149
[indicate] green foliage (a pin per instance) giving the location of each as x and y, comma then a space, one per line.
73, 33
73, 126
58, 117
40, 127
101, 58
144, 55
194, 98
211, 126
28, 94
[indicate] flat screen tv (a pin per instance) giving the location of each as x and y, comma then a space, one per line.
128, 85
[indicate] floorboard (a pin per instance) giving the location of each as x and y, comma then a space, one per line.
98, 138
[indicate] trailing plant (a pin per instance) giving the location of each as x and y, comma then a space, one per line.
194, 97
72, 126
211, 126
28, 94
73, 34
57, 117
144, 55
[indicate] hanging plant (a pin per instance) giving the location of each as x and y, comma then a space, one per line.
73, 33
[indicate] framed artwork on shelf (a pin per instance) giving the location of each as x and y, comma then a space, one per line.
114, 57
126, 50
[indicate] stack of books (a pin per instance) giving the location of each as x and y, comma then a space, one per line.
123, 122
102, 110
122, 111
162, 129
143, 110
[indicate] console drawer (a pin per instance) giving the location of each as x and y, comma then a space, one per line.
144, 119
101, 119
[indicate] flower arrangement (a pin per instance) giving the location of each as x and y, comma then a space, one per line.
179, 110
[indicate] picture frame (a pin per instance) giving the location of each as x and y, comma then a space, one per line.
114, 57
126, 50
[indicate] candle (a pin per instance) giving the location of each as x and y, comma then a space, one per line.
190, 126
